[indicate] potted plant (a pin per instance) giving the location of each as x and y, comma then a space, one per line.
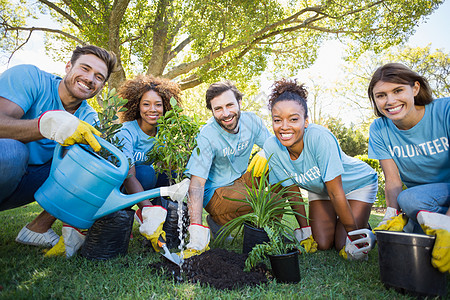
268, 204
282, 253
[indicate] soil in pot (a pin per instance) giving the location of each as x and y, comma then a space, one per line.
218, 268
285, 267
252, 237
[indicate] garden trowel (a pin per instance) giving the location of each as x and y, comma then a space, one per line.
166, 253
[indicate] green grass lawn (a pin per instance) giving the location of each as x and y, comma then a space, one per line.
26, 274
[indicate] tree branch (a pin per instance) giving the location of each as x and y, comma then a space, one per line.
62, 13
31, 29
179, 47
194, 80
20, 46
337, 31
251, 40
82, 14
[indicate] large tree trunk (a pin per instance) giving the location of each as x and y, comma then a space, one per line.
116, 78
115, 18
158, 62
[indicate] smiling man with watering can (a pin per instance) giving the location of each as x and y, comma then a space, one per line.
219, 170
38, 109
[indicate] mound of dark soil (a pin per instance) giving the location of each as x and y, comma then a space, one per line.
218, 268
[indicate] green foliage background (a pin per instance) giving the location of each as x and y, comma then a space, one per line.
375, 164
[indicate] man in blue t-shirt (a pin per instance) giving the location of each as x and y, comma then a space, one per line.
38, 109
218, 167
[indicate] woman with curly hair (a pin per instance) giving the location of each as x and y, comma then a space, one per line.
341, 189
148, 100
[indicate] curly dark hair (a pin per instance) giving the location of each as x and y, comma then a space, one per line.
134, 89
288, 89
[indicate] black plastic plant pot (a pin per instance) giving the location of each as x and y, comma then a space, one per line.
405, 264
252, 237
109, 236
285, 267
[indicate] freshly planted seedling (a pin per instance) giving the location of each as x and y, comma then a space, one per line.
174, 142
268, 203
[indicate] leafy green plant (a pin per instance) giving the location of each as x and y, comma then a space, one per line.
110, 104
351, 140
174, 142
280, 242
375, 164
268, 204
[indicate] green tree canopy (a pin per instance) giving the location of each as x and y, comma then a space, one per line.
195, 41
352, 141
434, 65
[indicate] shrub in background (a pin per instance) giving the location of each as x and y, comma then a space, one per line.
375, 164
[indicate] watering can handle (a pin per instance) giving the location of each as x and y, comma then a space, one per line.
123, 168
57, 155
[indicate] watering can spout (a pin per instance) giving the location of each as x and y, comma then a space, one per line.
117, 200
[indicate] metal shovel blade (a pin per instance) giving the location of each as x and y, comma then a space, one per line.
170, 256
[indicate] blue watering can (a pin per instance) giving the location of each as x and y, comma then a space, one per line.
83, 186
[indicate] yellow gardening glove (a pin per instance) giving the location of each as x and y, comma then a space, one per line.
192, 252
351, 251
305, 238
309, 244
438, 225
342, 253
153, 238
258, 164
440, 256
394, 224
66, 129
153, 218
58, 250
84, 134
390, 213
70, 241
198, 241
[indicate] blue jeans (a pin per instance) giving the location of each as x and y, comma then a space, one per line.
18, 180
434, 197
148, 177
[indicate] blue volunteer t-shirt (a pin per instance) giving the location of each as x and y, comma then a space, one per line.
136, 143
36, 92
321, 160
224, 156
420, 153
